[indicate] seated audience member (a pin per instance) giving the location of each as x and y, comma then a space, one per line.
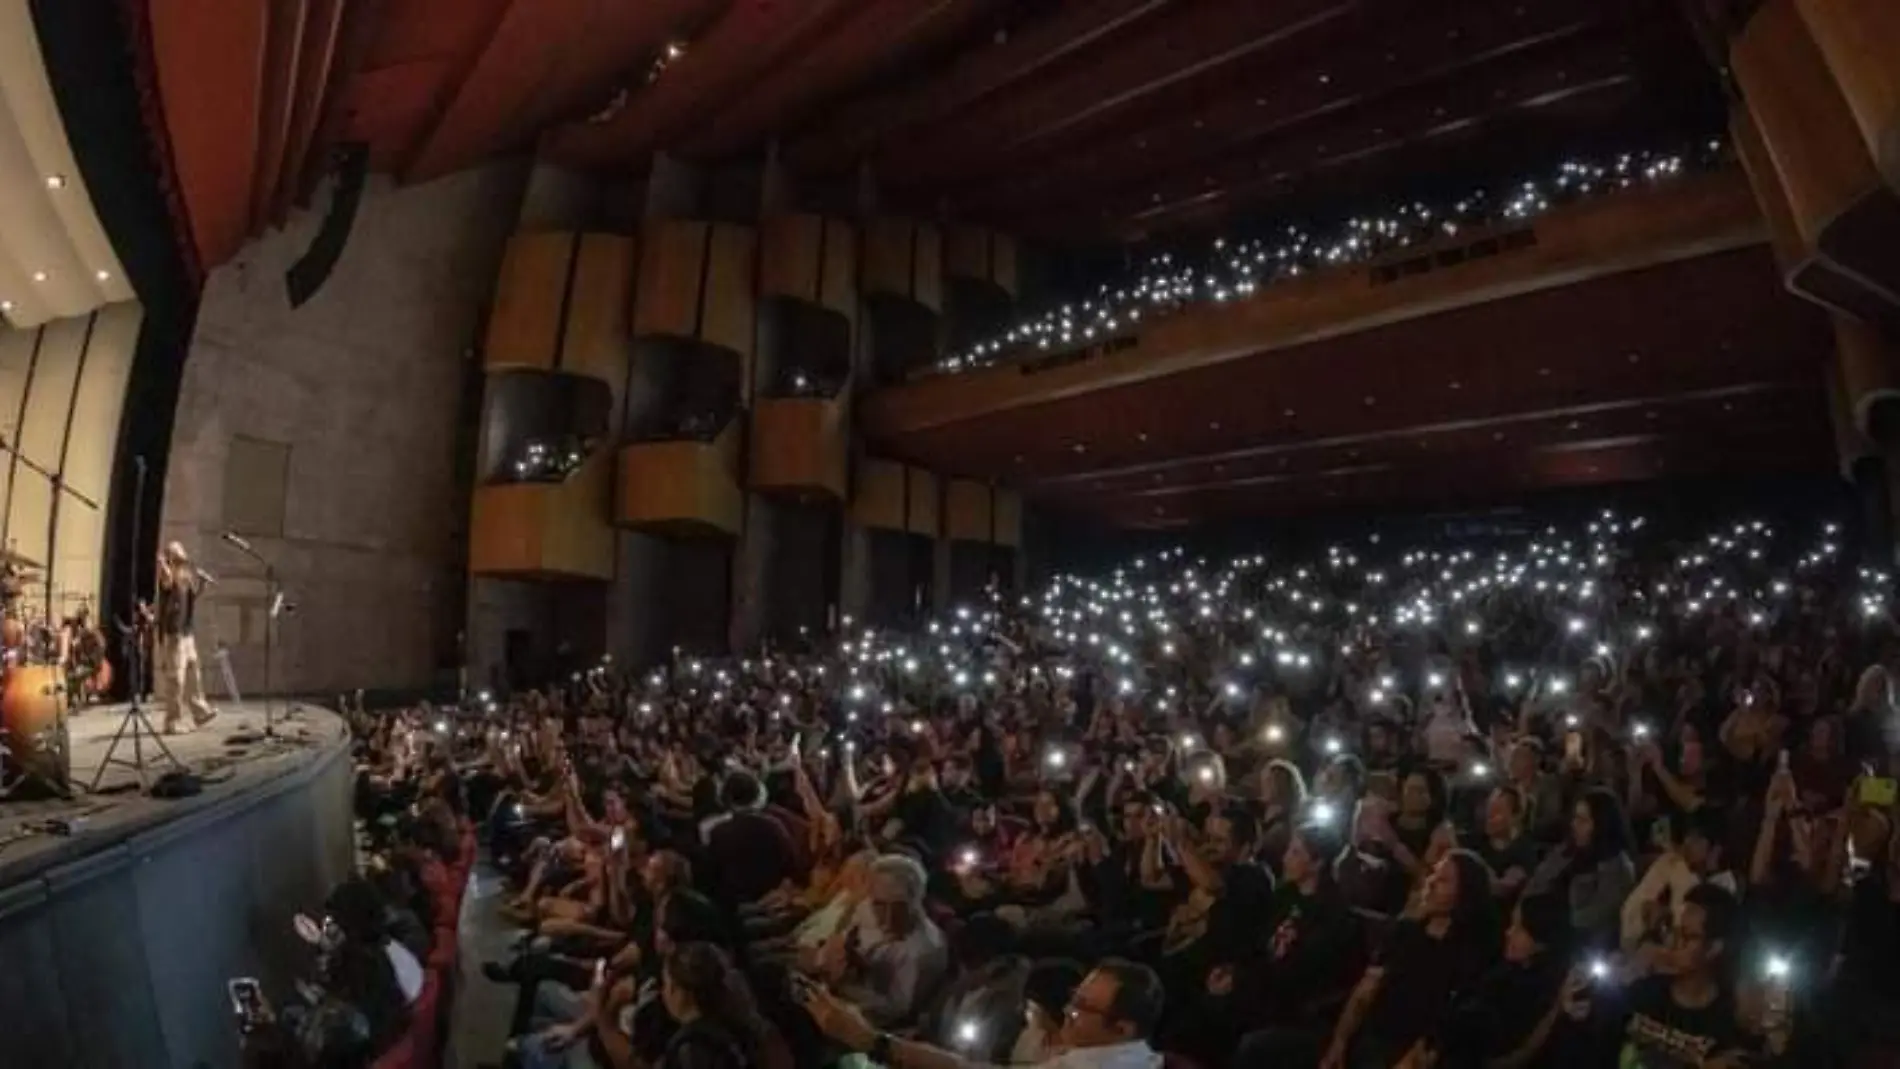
890, 958
1592, 870
1694, 857
1503, 845
1106, 1025
1508, 1017
359, 911
1681, 1007
1425, 964
748, 854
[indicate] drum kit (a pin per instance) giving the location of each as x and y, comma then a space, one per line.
52, 662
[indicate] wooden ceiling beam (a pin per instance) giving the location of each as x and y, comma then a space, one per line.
850, 136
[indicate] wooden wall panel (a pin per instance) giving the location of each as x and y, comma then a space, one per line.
1009, 518
1790, 250
967, 510
800, 446
730, 303
545, 530
524, 328
672, 254
877, 495
684, 488
790, 257
924, 502
1804, 121
1870, 372
1861, 42
811, 259
928, 289
982, 255
903, 258
41, 436
599, 312
98, 407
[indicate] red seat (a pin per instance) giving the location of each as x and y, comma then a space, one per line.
442, 954
424, 1026
400, 1056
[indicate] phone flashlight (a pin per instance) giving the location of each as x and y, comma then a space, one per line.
1640, 730
1275, 733
1599, 969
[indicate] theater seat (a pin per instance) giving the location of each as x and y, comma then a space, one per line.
442, 953
425, 1026
1178, 1061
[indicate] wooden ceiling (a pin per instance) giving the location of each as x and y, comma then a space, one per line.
1073, 119
1092, 122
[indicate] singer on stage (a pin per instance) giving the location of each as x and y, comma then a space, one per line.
179, 679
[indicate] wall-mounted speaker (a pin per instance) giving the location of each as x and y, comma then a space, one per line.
308, 274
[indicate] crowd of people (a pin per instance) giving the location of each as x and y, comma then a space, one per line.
1603, 796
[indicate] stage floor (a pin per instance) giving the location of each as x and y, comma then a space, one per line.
230, 754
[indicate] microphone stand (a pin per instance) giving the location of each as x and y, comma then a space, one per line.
274, 603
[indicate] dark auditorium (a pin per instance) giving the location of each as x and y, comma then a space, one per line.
949, 534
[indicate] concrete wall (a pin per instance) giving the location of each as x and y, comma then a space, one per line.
364, 384
118, 960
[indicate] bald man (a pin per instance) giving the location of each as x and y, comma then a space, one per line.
178, 675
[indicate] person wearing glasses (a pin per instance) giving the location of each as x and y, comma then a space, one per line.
1106, 1025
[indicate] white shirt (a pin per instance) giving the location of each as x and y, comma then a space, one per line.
1133, 1055
1669, 875
409, 975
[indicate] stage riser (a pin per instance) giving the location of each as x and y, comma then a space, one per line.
119, 959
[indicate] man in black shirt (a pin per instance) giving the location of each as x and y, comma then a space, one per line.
179, 676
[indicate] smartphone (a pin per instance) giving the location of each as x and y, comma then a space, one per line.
600, 971
618, 841
1573, 745
1877, 791
247, 1000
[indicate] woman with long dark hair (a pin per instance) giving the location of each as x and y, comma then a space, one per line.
719, 1027
1429, 960
1592, 870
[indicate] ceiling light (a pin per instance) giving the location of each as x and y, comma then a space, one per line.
103, 276
6, 306
1214, 426
1079, 447
40, 276
1289, 413
1456, 385
1325, 79
55, 181
1141, 436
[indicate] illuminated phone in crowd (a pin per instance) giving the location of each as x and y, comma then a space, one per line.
1877, 791
247, 1001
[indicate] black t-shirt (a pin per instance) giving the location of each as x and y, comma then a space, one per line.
748, 855
1309, 949
1423, 975
1519, 853
1660, 1034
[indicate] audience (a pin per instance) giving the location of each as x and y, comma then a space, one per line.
1612, 797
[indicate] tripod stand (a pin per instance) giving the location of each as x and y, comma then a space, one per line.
135, 723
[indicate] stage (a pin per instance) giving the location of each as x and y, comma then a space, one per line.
148, 905
230, 754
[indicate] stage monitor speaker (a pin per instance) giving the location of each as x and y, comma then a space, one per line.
308, 274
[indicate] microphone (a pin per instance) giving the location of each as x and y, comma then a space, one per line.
237, 540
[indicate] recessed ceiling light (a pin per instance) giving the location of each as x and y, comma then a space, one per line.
1080, 448
1220, 469
1018, 458
1141, 436
40, 276
1325, 79
6, 306
1456, 385
1214, 425
1289, 413
1371, 400
1649, 415
55, 181
1543, 372
1575, 424
1260, 102
1636, 358
1497, 436
103, 276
